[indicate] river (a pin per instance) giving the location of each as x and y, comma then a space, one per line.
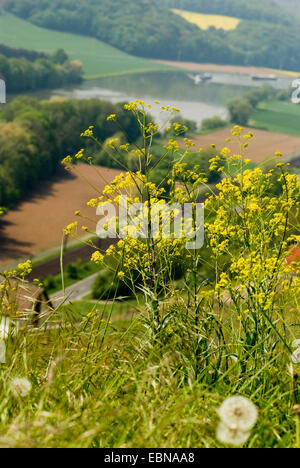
195, 101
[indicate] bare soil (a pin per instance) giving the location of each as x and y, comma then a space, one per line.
37, 223
262, 146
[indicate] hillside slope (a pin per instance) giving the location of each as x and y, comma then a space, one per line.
142, 27
147, 28
98, 59
256, 36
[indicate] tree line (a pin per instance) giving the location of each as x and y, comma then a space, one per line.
25, 70
30, 55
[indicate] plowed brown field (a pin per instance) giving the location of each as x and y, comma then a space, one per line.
38, 221
262, 146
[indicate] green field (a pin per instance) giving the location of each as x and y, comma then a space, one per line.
99, 59
277, 116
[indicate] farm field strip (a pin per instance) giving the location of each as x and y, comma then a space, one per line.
99, 59
204, 21
37, 223
263, 145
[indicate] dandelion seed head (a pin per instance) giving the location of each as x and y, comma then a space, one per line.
20, 387
238, 411
296, 344
231, 435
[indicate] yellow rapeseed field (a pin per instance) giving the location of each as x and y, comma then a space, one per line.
206, 21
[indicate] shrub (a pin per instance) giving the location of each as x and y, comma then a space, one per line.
213, 123
240, 111
73, 270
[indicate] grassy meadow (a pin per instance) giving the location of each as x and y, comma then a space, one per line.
99, 59
104, 385
278, 116
205, 21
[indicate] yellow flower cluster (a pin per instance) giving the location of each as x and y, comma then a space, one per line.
152, 129
112, 118
89, 133
112, 142
172, 145
67, 161
97, 257
132, 106
25, 268
80, 154
178, 129
71, 229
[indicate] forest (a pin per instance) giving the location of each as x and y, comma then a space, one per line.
151, 30
25, 70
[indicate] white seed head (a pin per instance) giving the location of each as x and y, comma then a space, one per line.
239, 412
231, 435
296, 356
296, 344
20, 387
